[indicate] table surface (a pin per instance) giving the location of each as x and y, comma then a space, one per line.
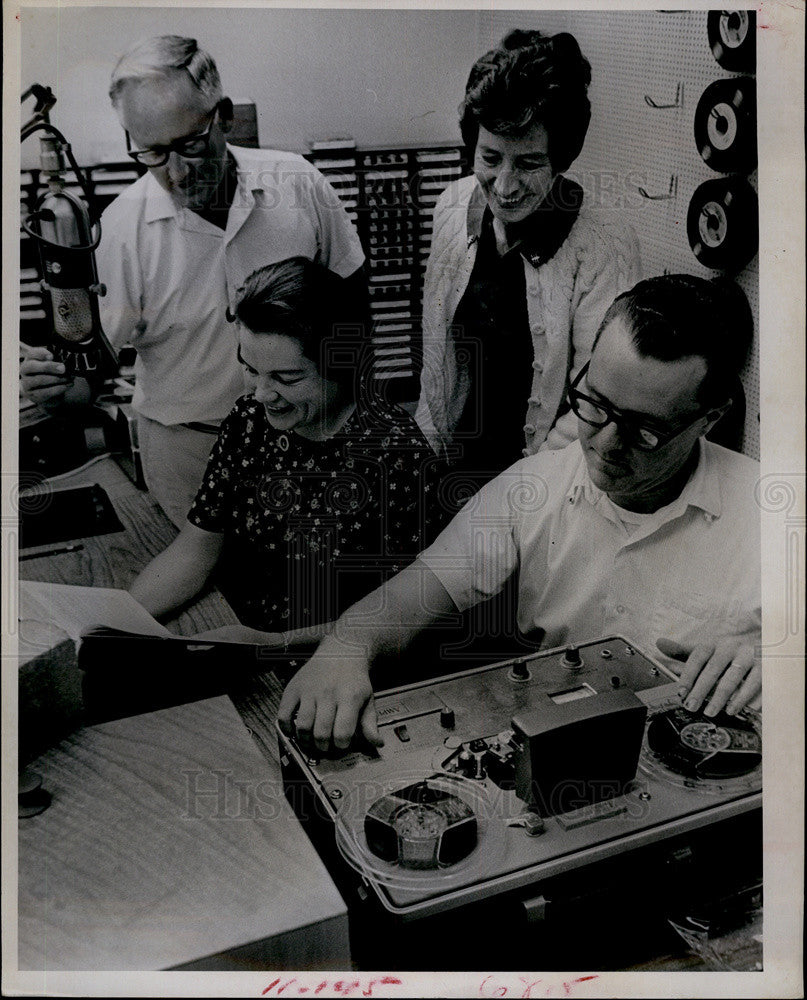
114, 560
116, 874
168, 841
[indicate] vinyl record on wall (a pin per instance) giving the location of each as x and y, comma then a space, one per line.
732, 38
723, 224
726, 125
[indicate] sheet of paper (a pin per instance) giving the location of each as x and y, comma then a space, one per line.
49, 613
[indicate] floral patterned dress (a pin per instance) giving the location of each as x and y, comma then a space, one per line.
312, 526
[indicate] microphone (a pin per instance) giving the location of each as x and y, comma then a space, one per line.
66, 239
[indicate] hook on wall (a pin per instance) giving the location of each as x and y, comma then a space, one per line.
671, 193
678, 100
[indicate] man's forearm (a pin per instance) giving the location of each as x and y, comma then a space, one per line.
389, 618
291, 640
332, 692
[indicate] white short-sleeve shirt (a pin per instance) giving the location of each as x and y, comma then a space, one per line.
689, 572
170, 275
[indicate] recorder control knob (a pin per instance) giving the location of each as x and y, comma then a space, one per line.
572, 659
447, 718
466, 763
520, 671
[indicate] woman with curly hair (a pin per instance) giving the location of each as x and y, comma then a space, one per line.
522, 268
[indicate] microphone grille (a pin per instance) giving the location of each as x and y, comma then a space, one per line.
72, 313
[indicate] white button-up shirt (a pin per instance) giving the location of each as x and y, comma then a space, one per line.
689, 572
170, 274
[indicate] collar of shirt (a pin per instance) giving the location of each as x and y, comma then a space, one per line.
702, 491
160, 204
539, 237
246, 195
254, 172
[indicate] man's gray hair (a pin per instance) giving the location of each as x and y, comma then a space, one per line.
162, 55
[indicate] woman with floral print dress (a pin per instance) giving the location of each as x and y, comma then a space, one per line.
315, 491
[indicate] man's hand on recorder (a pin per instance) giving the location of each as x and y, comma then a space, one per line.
331, 696
725, 675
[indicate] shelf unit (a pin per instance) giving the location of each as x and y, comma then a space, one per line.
390, 193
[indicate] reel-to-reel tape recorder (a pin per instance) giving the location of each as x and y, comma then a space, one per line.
498, 781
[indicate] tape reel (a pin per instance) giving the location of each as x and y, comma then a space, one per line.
708, 755
419, 832
732, 39
700, 747
723, 223
421, 826
725, 125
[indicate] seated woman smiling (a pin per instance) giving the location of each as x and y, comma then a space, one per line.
316, 491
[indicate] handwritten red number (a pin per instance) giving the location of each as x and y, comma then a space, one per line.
343, 987
385, 981
581, 979
499, 991
528, 990
346, 988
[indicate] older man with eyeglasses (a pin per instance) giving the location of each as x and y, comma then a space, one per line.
178, 243
642, 527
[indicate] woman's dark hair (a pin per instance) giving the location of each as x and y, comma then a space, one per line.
529, 79
327, 314
675, 316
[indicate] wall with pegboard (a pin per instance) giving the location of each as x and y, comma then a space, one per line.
664, 56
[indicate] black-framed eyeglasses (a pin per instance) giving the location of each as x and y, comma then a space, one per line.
598, 413
189, 145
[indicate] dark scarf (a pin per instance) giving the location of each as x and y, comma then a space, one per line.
539, 236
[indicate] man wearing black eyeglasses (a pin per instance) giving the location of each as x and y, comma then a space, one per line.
178, 243
641, 528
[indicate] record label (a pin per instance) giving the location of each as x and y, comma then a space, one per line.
732, 39
721, 126
712, 225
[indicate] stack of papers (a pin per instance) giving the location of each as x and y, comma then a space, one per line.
49, 613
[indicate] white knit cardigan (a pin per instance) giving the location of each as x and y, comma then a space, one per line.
566, 300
